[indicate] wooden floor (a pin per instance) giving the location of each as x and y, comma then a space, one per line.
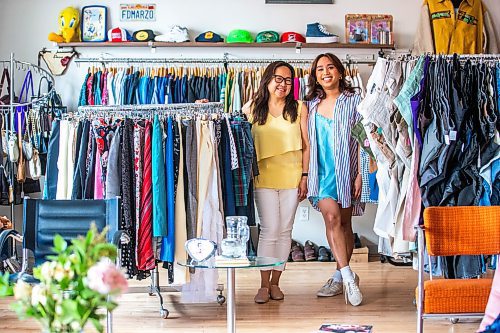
388, 295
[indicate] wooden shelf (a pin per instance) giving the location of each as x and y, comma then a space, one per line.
197, 44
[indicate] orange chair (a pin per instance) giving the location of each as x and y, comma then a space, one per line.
449, 231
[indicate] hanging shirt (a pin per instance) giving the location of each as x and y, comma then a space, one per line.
440, 30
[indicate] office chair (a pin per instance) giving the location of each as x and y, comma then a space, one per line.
43, 219
449, 231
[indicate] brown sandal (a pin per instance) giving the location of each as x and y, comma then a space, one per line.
310, 251
276, 293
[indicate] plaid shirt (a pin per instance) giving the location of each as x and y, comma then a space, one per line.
247, 161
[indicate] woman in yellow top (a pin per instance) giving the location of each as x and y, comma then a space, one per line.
279, 130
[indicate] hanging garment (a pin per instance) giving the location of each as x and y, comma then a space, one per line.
113, 175
168, 244
51, 179
138, 166
441, 30
145, 255
159, 183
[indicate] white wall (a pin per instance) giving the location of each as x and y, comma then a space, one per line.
25, 24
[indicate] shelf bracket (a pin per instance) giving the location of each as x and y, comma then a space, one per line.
298, 47
152, 46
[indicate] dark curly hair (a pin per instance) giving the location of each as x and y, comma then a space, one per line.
315, 89
260, 104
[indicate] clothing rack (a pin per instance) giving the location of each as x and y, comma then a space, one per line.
148, 111
9, 109
221, 61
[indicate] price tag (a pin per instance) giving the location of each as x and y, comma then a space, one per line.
453, 135
447, 139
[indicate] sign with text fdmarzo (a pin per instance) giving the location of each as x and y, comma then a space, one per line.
138, 12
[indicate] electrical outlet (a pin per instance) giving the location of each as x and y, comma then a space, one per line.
304, 213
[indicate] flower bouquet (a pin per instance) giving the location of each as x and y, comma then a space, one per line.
74, 287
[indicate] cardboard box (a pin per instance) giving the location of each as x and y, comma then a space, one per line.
360, 255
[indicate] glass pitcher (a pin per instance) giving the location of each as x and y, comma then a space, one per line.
238, 233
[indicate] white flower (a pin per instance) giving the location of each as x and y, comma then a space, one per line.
59, 310
38, 296
75, 326
22, 290
59, 273
46, 270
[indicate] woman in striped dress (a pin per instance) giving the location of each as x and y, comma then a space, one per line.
334, 182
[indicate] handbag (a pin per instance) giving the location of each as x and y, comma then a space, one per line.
21, 167
13, 148
35, 166
5, 99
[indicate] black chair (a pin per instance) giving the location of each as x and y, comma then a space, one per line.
43, 219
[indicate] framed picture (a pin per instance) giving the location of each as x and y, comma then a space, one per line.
381, 29
357, 28
94, 23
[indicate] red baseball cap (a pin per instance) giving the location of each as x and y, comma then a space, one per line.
118, 35
292, 37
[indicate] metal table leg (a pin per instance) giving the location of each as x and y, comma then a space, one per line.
231, 303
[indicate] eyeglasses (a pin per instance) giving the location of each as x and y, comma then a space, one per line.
280, 79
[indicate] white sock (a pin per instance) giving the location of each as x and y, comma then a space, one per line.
347, 274
337, 276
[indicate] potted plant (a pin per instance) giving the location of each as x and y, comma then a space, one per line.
75, 285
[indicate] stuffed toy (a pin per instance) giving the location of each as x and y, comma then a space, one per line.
69, 25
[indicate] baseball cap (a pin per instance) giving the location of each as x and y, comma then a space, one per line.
118, 35
143, 36
292, 37
209, 36
239, 36
267, 36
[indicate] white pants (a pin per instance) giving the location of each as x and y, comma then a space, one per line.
276, 210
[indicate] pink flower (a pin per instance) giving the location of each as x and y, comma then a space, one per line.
105, 278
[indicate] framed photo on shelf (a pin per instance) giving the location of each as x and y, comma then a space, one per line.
381, 29
357, 28
94, 23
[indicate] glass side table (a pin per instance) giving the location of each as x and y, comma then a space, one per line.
255, 262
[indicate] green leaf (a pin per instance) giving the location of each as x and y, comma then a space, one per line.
97, 324
70, 312
59, 243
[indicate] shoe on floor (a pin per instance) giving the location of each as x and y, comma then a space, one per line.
352, 291
276, 293
310, 251
262, 296
331, 288
323, 254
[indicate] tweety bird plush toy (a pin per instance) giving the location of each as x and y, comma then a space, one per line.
69, 25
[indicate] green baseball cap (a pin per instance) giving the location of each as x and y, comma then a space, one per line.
239, 36
267, 36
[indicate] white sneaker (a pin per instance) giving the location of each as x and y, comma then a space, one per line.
176, 34
331, 288
352, 291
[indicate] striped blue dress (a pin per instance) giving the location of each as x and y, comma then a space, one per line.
345, 150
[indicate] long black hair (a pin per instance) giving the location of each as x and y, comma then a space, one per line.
315, 89
260, 103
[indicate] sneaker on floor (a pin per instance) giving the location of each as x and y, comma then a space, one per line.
262, 296
331, 288
352, 291
317, 33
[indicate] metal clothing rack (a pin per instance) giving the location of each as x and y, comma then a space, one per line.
9, 110
225, 60
149, 109
143, 112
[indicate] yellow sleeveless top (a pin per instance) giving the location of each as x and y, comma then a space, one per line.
278, 145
